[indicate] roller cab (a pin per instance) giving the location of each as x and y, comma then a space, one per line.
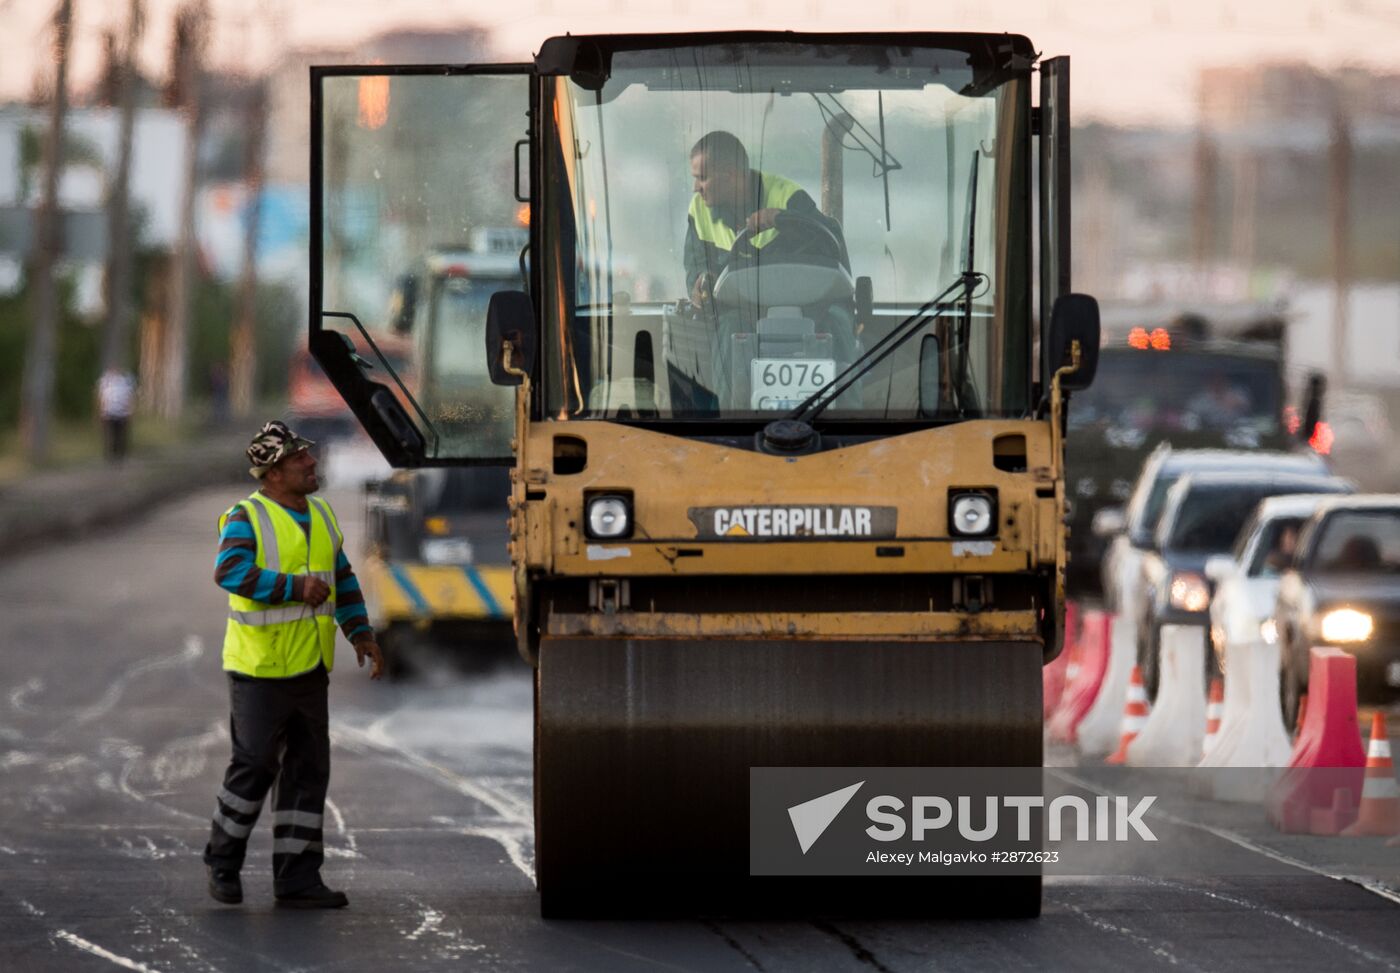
784, 435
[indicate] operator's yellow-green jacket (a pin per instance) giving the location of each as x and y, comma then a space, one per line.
269, 635
710, 234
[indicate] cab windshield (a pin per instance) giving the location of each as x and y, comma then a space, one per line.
726, 227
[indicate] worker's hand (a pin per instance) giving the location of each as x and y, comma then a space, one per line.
700, 292
764, 219
314, 591
369, 647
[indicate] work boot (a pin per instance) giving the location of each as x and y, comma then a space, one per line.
316, 897
225, 886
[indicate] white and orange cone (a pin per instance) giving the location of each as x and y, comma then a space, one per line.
1215, 705
1379, 813
1134, 716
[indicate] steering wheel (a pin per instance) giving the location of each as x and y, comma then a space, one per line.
803, 236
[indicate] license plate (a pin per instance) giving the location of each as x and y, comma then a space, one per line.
782, 383
1392, 674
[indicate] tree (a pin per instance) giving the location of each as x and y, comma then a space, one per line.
38, 382
116, 336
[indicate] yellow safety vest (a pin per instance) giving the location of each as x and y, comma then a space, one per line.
277, 641
711, 229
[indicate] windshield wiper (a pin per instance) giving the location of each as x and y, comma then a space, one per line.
837, 118
968, 281
814, 404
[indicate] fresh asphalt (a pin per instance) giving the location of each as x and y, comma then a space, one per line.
113, 737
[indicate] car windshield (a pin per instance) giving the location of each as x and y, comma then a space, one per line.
464, 489
1207, 519
459, 326
1150, 497
1358, 542
1145, 392
713, 214
1274, 548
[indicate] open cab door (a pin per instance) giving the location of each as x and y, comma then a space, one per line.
408, 163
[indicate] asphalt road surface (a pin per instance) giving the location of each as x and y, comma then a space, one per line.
113, 738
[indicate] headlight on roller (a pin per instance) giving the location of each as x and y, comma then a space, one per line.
1346, 625
610, 517
1268, 631
1189, 592
972, 514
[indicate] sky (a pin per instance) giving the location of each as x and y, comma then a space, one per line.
1134, 61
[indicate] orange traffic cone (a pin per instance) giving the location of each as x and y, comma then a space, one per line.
1214, 705
1379, 813
1134, 716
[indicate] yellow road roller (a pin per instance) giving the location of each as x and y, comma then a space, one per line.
782, 394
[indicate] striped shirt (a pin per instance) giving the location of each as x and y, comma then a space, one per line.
237, 572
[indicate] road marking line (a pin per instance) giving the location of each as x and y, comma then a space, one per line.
1370, 885
1156, 948
511, 810
1296, 922
351, 849
96, 950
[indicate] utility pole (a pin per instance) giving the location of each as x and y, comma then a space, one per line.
190, 26
1339, 160
37, 384
243, 356
1203, 206
119, 231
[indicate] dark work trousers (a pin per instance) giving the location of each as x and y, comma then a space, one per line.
115, 434
276, 724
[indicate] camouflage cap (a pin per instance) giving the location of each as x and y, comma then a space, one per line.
274, 442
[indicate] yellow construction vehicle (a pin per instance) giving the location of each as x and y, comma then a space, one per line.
787, 491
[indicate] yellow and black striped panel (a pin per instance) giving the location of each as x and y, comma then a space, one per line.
417, 592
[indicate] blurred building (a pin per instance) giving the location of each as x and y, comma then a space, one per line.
91, 146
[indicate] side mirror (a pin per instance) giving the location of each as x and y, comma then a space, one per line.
1219, 567
1312, 406
1075, 317
510, 317
865, 300
1109, 522
403, 305
929, 383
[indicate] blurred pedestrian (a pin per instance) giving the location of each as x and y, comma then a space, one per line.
116, 394
281, 559
218, 393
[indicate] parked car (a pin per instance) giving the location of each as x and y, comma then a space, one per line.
1201, 516
1247, 581
1343, 589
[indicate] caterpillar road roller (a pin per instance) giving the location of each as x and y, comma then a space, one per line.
782, 394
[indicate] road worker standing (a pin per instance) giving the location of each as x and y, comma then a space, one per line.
281, 560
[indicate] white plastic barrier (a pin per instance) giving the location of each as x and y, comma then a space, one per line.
1251, 731
1176, 728
1100, 729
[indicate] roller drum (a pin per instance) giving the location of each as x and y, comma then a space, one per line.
643, 749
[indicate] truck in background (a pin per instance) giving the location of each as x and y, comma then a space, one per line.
437, 573
1211, 376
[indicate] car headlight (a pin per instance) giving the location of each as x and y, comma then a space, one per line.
1189, 592
1268, 631
1346, 625
447, 550
609, 517
972, 514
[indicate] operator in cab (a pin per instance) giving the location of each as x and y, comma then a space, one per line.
733, 201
